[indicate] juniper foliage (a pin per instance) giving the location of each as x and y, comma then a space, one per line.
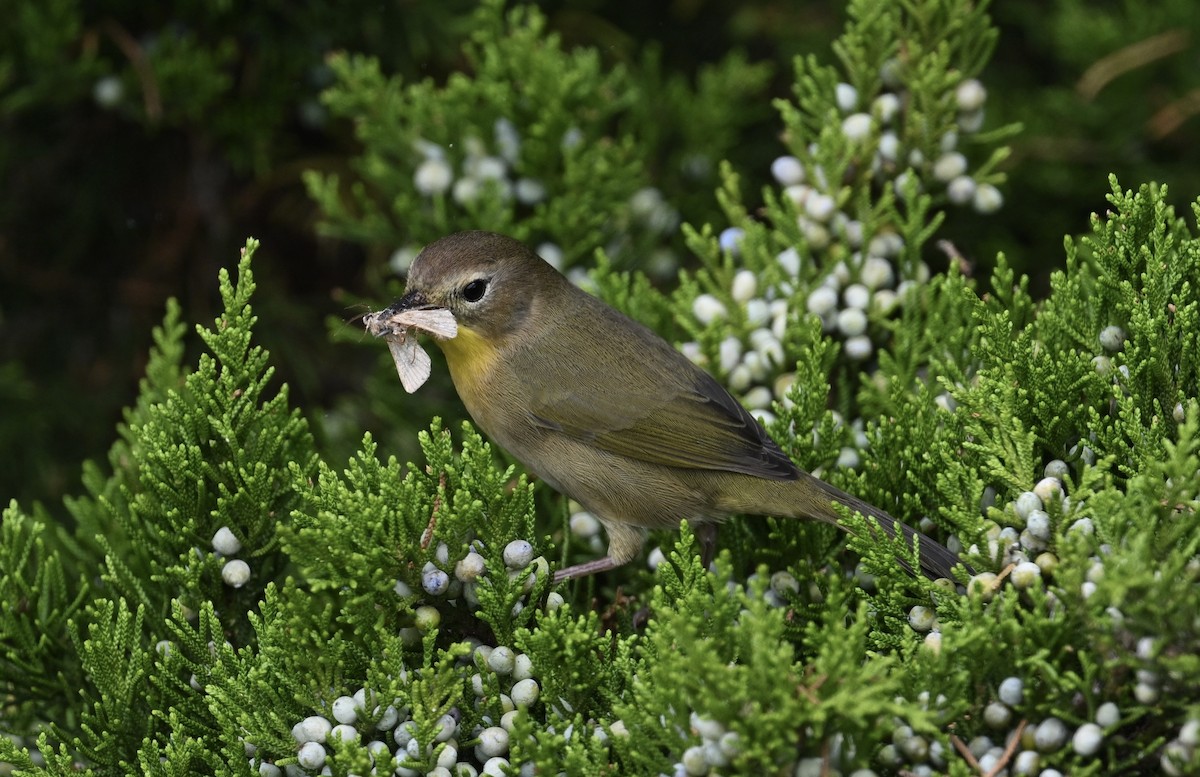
130, 642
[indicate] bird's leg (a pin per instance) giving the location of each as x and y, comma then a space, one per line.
585, 569
624, 543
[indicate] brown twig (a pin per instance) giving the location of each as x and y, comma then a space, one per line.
427, 536
964, 751
136, 55
1171, 116
1009, 749
1105, 70
1005, 757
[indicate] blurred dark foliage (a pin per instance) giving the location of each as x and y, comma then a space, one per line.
141, 143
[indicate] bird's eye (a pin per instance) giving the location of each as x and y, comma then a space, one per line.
473, 291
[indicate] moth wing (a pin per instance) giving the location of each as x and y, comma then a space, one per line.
412, 363
438, 322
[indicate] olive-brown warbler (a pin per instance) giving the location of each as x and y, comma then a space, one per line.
605, 410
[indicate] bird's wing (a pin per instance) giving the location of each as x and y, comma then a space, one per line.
674, 416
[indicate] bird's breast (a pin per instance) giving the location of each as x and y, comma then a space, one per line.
485, 379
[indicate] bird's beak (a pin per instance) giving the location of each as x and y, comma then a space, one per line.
413, 310
413, 300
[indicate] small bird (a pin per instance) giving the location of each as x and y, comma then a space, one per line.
603, 409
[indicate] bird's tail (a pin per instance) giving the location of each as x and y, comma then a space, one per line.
936, 560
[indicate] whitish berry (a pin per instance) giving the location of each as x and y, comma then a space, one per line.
551, 253
857, 295
814, 233
744, 286
787, 170
858, 348
502, 660
426, 618
889, 146
584, 524
466, 191
949, 166
789, 260
852, 322
344, 710
1050, 735
522, 667
1048, 490
771, 352
518, 554
758, 398
797, 193
757, 312
1025, 574
1038, 524
434, 581
904, 181
1175, 758
921, 618
525, 693
846, 97
493, 741
820, 207
488, 168
1189, 734
853, 230
402, 258
915, 747
530, 191
343, 733
987, 199
235, 573
740, 378
495, 767
311, 755
446, 759
885, 107
810, 767
469, 567
821, 300
225, 543
1112, 338
1057, 469
314, 728
108, 91
961, 190
447, 726
1145, 693
508, 139
1011, 691
970, 95
1026, 503
877, 273
857, 126
388, 718
731, 239
707, 308
1027, 762
433, 176
729, 353
885, 301
980, 745
1087, 739
997, 715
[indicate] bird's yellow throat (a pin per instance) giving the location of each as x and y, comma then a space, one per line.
471, 357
